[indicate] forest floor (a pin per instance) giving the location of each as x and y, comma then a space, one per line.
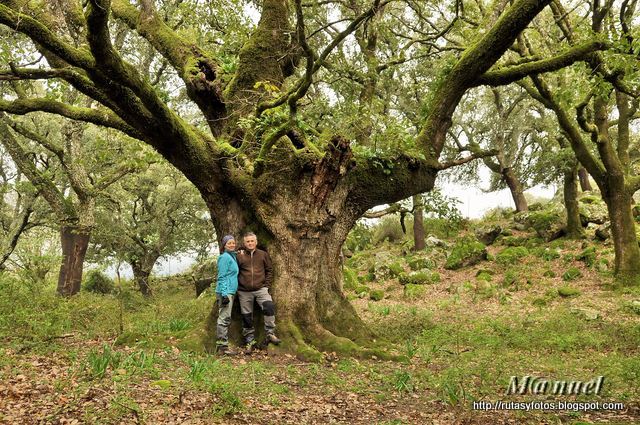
108, 360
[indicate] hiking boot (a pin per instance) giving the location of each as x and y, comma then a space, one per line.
272, 339
249, 347
224, 350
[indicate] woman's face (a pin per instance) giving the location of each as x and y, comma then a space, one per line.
230, 245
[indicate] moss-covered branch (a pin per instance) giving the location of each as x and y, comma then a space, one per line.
514, 73
197, 68
101, 117
42, 35
475, 61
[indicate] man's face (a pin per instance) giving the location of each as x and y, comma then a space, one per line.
250, 242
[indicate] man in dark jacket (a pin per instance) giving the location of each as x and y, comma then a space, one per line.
254, 280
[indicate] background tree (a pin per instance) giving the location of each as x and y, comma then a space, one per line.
149, 215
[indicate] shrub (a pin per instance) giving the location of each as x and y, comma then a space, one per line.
97, 282
350, 278
389, 229
359, 237
547, 254
511, 255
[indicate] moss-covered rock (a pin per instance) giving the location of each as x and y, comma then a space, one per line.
548, 224
511, 255
511, 278
417, 263
588, 256
376, 294
603, 232
484, 275
488, 234
466, 252
395, 269
568, 291
571, 274
362, 289
592, 209
419, 278
546, 253
412, 291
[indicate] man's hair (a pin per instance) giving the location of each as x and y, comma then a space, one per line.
248, 234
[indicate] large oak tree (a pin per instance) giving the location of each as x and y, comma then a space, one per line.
260, 164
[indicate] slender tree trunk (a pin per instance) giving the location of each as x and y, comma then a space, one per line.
627, 253
141, 277
16, 228
585, 184
75, 240
516, 189
574, 225
418, 224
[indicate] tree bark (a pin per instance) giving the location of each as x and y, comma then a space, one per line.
418, 224
75, 240
623, 232
585, 183
574, 225
515, 188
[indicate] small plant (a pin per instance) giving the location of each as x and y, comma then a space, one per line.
99, 362
402, 382
197, 370
349, 278
395, 269
177, 325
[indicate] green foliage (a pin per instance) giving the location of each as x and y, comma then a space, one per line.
466, 251
511, 255
511, 277
484, 275
98, 282
349, 278
359, 238
571, 274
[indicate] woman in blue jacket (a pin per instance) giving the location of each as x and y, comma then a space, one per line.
226, 287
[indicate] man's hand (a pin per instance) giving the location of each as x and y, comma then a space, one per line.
225, 299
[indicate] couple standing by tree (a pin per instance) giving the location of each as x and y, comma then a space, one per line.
247, 272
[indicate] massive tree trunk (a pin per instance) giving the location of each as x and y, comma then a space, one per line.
303, 226
75, 240
574, 225
515, 188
